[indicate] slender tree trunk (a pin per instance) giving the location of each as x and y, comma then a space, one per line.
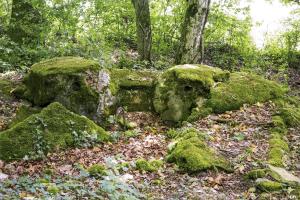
143, 28
191, 48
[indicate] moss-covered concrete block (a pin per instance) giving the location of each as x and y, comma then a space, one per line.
192, 154
65, 80
179, 88
86, 88
54, 126
243, 88
134, 88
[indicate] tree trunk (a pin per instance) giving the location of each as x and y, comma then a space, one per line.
191, 48
143, 28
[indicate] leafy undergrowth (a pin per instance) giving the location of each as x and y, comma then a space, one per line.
110, 171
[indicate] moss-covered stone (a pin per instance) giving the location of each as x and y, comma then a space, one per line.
148, 166
85, 88
192, 154
134, 89
281, 175
180, 87
275, 157
64, 80
278, 147
269, 186
56, 125
255, 174
243, 88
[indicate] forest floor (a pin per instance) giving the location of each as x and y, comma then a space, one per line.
241, 136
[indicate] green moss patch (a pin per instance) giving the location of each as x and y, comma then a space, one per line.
243, 88
134, 89
54, 127
291, 115
278, 147
64, 80
64, 65
266, 185
256, 173
179, 88
148, 166
192, 154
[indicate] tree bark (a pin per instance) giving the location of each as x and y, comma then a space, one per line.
143, 28
191, 48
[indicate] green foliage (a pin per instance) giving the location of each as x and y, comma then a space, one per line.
81, 186
228, 44
131, 133
113, 187
97, 170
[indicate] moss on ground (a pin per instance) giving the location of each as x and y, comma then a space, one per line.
266, 185
56, 125
256, 173
148, 166
243, 88
192, 154
179, 88
291, 115
278, 147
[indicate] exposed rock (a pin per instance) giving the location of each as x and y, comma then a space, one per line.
3, 176
283, 175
